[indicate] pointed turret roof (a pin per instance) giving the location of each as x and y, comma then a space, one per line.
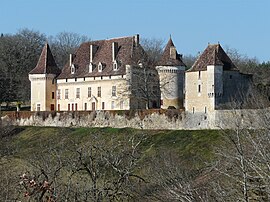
213, 55
167, 59
46, 63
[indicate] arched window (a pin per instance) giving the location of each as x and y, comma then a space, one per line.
115, 66
100, 67
72, 69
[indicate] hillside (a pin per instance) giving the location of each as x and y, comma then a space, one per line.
32, 149
109, 164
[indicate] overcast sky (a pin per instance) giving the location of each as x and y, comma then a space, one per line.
240, 24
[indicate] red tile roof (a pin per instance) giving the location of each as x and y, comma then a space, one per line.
46, 63
213, 55
166, 59
128, 53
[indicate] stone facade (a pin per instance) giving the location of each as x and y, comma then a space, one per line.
214, 82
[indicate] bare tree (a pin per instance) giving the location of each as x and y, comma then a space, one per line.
243, 161
153, 48
65, 43
109, 172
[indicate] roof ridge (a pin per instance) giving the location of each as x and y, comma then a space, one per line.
213, 55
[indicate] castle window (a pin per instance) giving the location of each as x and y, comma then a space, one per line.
53, 81
99, 92
100, 67
52, 107
121, 104
75, 79
103, 105
72, 69
66, 80
85, 106
193, 110
38, 107
76, 106
199, 88
89, 92
199, 75
52, 95
77, 92
66, 93
113, 90
205, 110
59, 94
68, 107
115, 66
58, 107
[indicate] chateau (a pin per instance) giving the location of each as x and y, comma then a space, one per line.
114, 74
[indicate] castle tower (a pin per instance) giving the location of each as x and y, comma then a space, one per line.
43, 82
213, 81
171, 70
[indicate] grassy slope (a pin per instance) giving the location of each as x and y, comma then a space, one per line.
192, 146
25, 145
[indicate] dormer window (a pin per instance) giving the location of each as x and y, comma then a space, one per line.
72, 69
115, 66
90, 67
100, 67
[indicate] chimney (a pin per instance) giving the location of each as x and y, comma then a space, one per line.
136, 39
114, 50
93, 50
70, 59
173, 52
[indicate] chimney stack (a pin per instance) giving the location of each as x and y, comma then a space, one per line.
93, 50
136, 39
70, 59
173, 52
114, 50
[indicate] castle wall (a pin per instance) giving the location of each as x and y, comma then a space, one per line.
196, 92
73, 94
236, 87
143, 119
41, 92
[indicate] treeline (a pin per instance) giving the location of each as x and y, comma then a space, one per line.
19, 54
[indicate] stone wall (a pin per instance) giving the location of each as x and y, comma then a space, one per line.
142, 119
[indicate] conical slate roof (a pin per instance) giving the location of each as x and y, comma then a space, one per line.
166, 59
46, 63
213, 55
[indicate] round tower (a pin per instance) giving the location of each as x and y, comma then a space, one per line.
171, 70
